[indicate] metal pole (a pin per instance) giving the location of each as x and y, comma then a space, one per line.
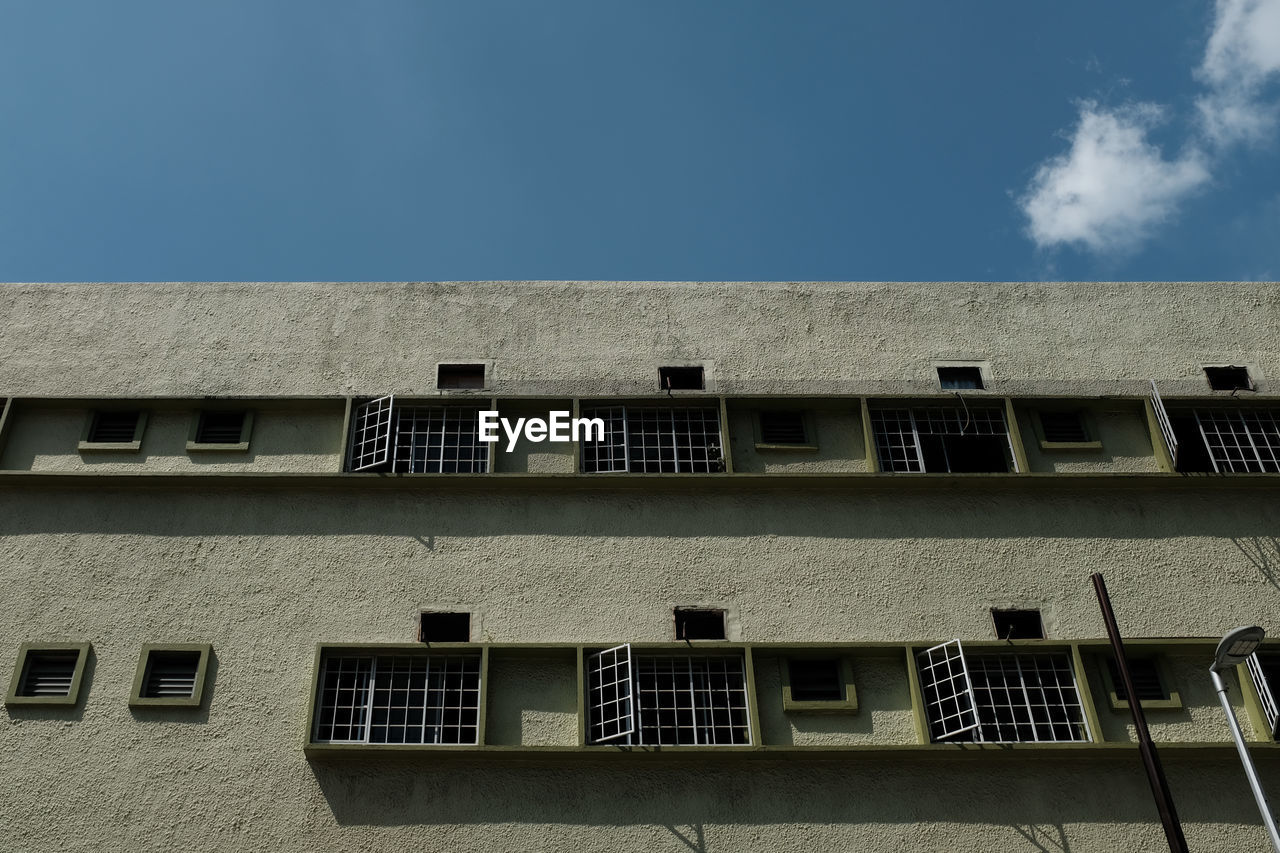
1246, 760
1150, 760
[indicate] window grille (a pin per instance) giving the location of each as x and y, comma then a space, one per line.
1265, 671
49, 673
1166, 425
113, 427
439, 440
1001, 698
941, 438
171, 675
1063, 427
1241, 440
675, 700
399, 699
643, 440
371, 429
1145, 673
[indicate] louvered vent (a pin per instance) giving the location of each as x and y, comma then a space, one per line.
220, 428
782, 428
1146, 680
1063, 427
171, 675
113, 427
815, 680
49, 673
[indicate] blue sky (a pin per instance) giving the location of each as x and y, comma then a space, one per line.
663, 139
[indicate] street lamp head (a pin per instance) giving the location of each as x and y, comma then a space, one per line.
1237, 645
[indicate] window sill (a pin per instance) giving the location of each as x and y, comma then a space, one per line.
833, 706
1070, 445
1173, 703
801, 448
109, 446
200, 447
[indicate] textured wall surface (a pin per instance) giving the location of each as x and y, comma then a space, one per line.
188, 339
264, 574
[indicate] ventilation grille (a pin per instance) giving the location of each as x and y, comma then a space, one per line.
220, 428
49, 673
460, 376
113, 427
782, 428
1063, 427
1146, 680
171, 675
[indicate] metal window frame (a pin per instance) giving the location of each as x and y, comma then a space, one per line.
914, 414
433, 431
380, 454
626, 414
945, 657
619, 656
1266, 697
327, 653
1250, 462
1166, 425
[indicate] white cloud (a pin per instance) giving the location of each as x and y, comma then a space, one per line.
1242, 55
1113, 186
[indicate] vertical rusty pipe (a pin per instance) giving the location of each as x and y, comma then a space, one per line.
1150, 760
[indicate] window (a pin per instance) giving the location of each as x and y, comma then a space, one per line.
644, 440
444, 628
1229, 378
960, 378
1005, 697
942, 439
118, 431
667, 700
1148, 681
1064, 430
784, 429
416, 439
681, 378
1227, 440
48, 674
215, 429
398, 698
170, 676
1018, 624
1264, 670
818, 684
699, 623
457, 377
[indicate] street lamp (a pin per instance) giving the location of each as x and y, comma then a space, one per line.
1235, 648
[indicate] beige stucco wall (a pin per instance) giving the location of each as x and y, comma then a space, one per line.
283, 440
265, 574
578, 338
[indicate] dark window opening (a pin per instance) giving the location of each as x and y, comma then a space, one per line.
782, 428
1018, 624
815, 680
680, 378
1229, 378
220, 428
445, 628
960, 378
699, 624
1063, 427
965, 454
454, 377
1146, 680
113, 427
49, 673
1193, 455
171, 674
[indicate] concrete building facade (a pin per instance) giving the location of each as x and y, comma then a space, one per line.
264, 589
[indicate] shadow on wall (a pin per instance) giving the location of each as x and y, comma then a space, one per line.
1247, 517
1264, 553
1035, 799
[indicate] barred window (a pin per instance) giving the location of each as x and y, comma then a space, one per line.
651, 440
1229, 441
417, 439
942, 439
1007, 697
1264, 669
426, 699
667, 700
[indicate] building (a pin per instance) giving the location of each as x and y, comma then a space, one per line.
265, 590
